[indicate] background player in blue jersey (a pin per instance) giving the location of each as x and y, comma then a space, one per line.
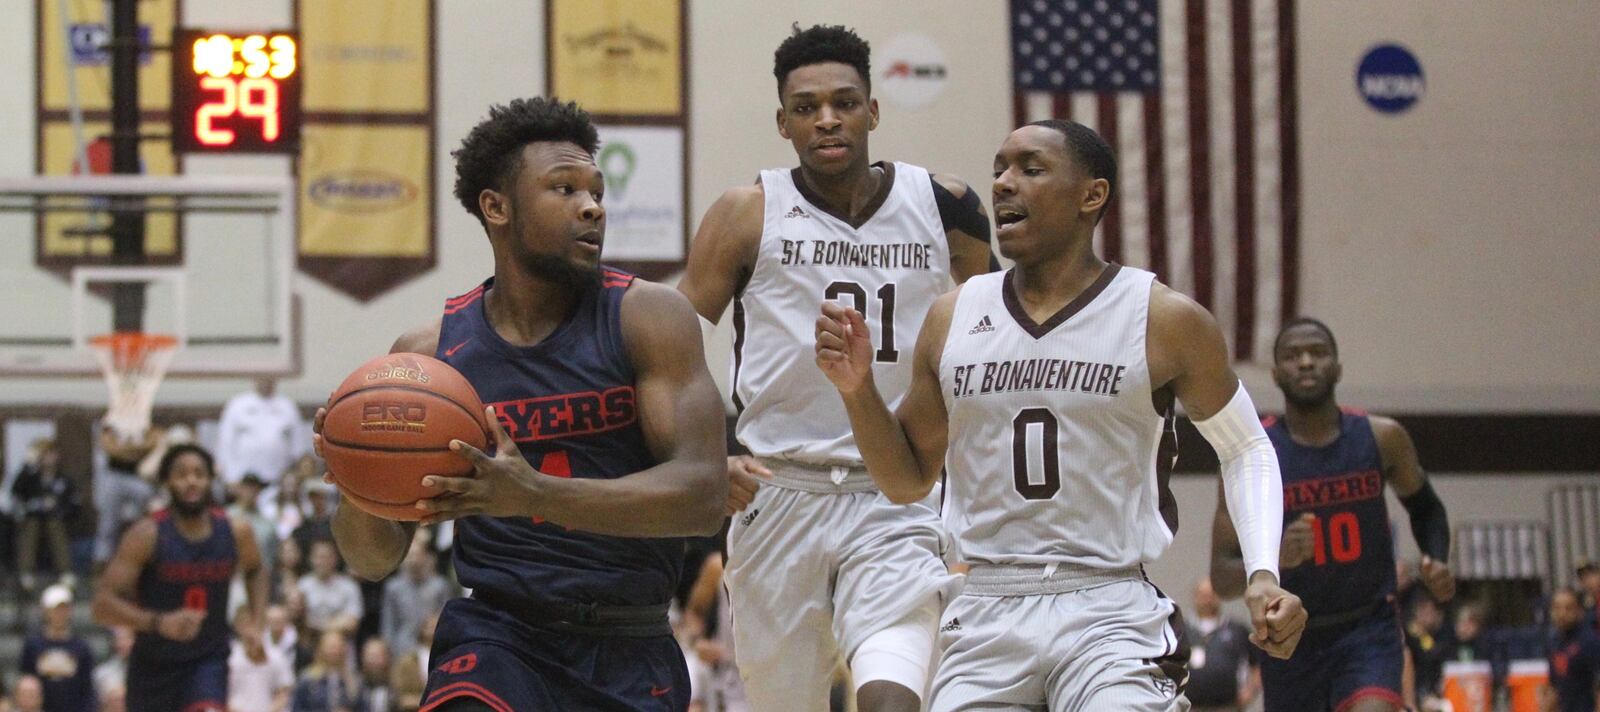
169, 582
609, 444
1337, 552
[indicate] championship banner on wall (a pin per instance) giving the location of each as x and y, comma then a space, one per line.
70, 54
366, 171
626, 63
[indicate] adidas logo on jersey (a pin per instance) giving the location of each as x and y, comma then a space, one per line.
984, 325
746, 519
952, 626
796, 212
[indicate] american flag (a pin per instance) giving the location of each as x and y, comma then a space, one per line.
1198, 99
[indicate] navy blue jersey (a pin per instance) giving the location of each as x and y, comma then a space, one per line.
193, 575
1352, 564
569, 403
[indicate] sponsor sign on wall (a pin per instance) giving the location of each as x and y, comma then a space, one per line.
643, 166
1390, 78
911, 70
366, 202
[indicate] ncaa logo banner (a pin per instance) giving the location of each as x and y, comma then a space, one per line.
1390, 79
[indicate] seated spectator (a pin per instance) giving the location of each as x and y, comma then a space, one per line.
280, 634
114, 671
325, 686
318, 524
30, 694
1222, 674
1589, 590
44, 498
410, 675
1470, 643
1574, 654
1429, 643
59, 659
288, 569
305, 647
418, 592
114, 699
247, 506
259, 677
375, 695
332, 599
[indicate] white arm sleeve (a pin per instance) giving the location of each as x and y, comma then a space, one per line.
1250, 480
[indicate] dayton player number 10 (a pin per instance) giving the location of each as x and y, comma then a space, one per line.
235, 92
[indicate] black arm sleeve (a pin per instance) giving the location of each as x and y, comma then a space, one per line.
964, 213
1429, 524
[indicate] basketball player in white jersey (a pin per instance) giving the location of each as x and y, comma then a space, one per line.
819, 563
1046, 392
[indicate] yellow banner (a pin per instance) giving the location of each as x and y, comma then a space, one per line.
364, 191
367, 56
618, 57
65, 233
81, 34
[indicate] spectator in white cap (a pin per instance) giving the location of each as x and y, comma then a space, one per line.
59, 658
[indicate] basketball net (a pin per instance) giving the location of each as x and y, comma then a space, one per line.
133, 364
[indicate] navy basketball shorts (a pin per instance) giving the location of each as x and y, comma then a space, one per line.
484, 653
1335, 666
175, 686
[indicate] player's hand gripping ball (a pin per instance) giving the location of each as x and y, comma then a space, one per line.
390, 424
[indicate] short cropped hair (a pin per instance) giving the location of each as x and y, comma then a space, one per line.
491, 154
1089, 152
1306, 321
818, 44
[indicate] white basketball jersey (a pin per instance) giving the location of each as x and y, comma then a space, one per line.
1055, 451
890, 268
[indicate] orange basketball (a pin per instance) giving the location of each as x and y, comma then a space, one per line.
390, 424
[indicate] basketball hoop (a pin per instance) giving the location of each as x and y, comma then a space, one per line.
133, 364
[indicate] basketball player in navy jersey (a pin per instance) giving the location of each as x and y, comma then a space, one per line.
169, 582
1046, 393
820, 565
1337, 553
609, 444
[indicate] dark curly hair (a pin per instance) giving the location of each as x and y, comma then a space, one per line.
491, 154
172, 454
818, 44
1090, 152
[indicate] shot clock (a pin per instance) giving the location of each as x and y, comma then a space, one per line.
235, 92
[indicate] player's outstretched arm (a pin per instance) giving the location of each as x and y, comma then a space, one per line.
680, 413
1430, 524
723, 253
903, 451
1188, 353
373, 547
